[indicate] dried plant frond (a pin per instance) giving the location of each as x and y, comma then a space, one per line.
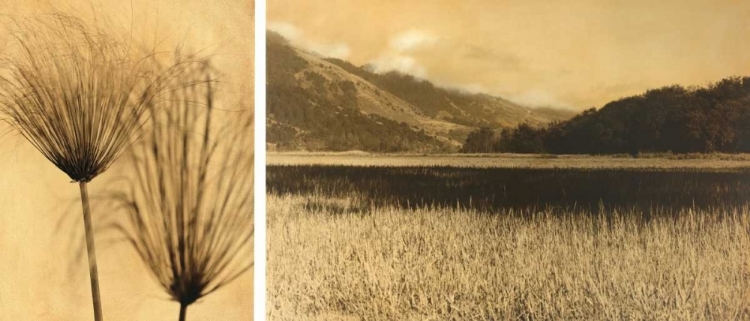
77, 94
189, 208
80, 97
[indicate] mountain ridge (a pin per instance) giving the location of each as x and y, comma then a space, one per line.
317, 103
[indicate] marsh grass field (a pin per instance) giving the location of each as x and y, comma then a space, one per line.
566, 241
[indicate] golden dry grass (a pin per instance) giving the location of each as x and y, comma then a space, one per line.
443, 264
664, 160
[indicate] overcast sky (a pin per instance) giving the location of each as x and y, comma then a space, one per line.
575, 54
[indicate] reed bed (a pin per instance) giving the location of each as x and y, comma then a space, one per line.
341, 261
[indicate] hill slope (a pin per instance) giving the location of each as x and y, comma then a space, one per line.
329, 104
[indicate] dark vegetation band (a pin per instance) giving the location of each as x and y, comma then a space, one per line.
668, 119
492, 189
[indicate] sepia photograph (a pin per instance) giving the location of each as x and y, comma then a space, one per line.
127, 149
508, 160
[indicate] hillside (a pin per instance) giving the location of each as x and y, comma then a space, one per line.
473, 110
315, 103
715, 118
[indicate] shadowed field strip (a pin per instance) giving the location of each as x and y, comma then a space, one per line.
491, 189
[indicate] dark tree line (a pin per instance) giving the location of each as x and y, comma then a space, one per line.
715, 118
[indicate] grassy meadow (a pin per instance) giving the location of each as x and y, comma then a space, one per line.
573, 242
653, 160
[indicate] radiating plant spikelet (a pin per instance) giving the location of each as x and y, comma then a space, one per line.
80, 97
189, 207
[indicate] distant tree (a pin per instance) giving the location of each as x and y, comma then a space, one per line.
525, 139
482, 140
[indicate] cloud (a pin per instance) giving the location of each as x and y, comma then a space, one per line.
336, 50
538, 98
285, 29
399, 55
297, 38
411, 40
400, 63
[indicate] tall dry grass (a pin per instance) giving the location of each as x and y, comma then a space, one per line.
335, 263
80, 96
188, 208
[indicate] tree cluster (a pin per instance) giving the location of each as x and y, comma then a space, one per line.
714, 118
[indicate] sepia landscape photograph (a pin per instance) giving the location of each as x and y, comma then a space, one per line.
508, 160
127, 157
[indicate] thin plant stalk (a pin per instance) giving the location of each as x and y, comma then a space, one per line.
183, 311
80, 97
91, 252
